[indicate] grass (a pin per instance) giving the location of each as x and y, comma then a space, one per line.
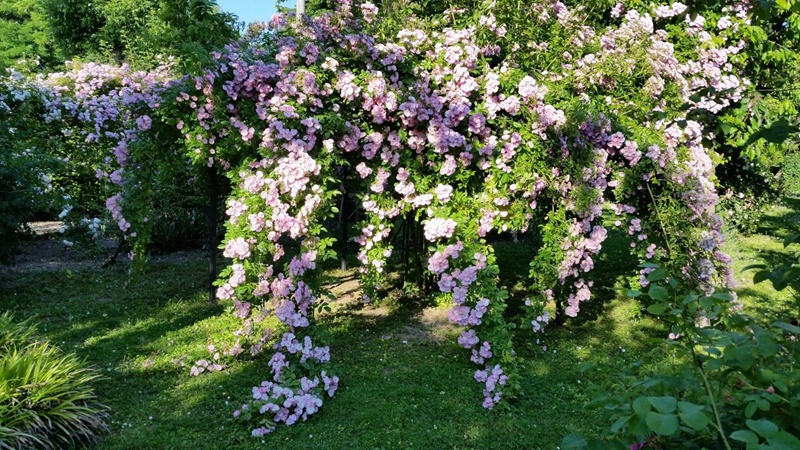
404, 383
766, 246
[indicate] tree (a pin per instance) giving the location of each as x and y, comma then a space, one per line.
24, 33
139, 32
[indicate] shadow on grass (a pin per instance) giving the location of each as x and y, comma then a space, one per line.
76, 305
765, 306
774, 258
783, 223
615, 258
792, 202
111, 321
767, 301
412, 386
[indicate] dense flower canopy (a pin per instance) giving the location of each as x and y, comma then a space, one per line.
439, 122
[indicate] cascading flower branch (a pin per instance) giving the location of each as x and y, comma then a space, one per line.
445, 123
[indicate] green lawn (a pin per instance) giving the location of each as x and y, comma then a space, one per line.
404, 381
766, 246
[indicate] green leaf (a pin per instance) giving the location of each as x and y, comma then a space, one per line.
686, 407
750, 409
739, 355
713, 364
657, 275
793, 329
657, 292
664, 405
783, 440
620, 423
745, 436
763, 427
766, 344
634, 294
657, 309
663, 424
777, 133
573, 442
695, 418
641, 406
789, 240
760, 276
725, 296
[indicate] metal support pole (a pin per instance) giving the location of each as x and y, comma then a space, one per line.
343, 219
301, 8
211, 230
421, 253
406, 243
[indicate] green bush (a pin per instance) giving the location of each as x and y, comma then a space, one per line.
790, 170
25, 189
26, 162
742, 212
46, 397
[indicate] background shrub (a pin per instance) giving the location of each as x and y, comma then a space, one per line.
25, 184
791, 174
742, 211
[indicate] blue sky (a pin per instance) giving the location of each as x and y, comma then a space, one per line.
252, 10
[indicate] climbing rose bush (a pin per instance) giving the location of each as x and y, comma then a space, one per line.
442, 124
463, 127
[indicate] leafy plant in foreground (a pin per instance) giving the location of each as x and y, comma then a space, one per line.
733, 380
46, 397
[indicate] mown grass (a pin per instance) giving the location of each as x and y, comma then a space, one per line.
766, 246
398, 389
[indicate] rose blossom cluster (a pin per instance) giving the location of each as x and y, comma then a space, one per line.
619, 160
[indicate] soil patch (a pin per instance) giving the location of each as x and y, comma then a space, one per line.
47, 251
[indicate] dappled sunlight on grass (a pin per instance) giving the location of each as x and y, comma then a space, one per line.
781, 220
761, 299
